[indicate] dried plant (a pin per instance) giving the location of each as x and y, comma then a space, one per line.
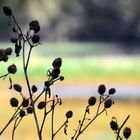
29, 105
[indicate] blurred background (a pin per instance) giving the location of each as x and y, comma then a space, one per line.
99, 42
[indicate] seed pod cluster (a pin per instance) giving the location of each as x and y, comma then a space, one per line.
57, 63
5, 53
34, 25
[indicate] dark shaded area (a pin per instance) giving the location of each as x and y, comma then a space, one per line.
81, 20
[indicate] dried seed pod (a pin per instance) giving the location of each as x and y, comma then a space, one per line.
12, 69
7, 11
41, 105
69, 114
47, 83
17, 48
25, 102
35, 39
22, 113
55, 73
34, 25
57, 62
112, 91
101, 89
14, 40
8, 51
92, 101
14, 102
127, 132
5, 58
34, 88
108, 103
2, 52
114, 125
61, 78
30, 110
17, 87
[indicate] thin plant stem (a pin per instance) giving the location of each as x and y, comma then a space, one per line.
118, 134
11, 119
45, 114
52, 121
30, 50
60, 128
30, 94
14, 128
89, 124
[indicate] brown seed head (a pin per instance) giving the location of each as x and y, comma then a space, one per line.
12, 69
101, 89
108, 103
127, 132
69, 114
17, 87
91, 101
14, 102
7, 11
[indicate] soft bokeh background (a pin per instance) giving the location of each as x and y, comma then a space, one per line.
99, 42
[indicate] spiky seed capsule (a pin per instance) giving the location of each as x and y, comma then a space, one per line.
17, 87
25, 102
35, 39
34, 88
14, 102
30, 110
61, 78
101, 89
108, 103
114, 126
92, 101
8, 51
22, 113
69, 114
127, 132
7, 11
57, 62
12, 69
41, 105
112, 91
55, 73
